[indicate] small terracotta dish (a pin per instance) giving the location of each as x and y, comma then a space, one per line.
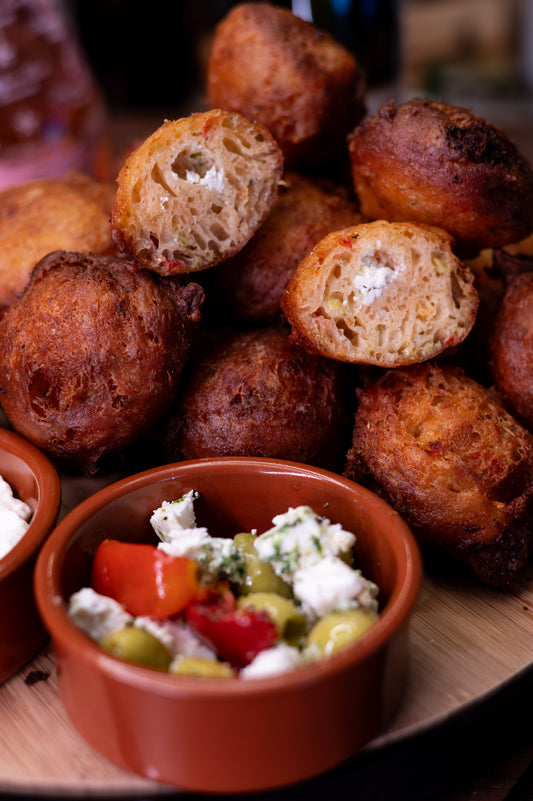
208, 735
34, 480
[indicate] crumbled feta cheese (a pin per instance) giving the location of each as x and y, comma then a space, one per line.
186, 542
97, 614
174, 515
271, 661
221, 558
177, 637
213, 178
175, 525
14, 518
301, 538
331, 585
372, 278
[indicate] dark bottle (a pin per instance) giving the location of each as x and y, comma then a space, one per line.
142, 53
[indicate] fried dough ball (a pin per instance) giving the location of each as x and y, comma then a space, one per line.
511, 348
38, 217
258, 395
195, 191
248, 288
436, 163
494, 271
91, 355
381, 293
300, 83
452, 461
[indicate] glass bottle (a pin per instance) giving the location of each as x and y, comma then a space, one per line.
52, 116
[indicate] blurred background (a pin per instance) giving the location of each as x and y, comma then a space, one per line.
479, 53
146, 61
149, 54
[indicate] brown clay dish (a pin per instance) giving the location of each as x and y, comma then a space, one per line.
33, 479
232, 736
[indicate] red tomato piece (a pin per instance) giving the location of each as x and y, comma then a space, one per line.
237, 635
145, 580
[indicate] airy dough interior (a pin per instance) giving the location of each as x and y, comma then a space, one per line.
201, 191
398, 301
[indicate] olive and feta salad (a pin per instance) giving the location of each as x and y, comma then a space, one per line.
251, 606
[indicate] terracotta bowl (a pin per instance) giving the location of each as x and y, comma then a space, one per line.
214, 735
33, 479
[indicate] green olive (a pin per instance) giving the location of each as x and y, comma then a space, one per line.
138, 645
339, 629
347, 556
259, 575
285, 615
196, 666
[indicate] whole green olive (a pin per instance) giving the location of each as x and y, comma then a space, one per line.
138, 645
259, 575
339, 629
285, 615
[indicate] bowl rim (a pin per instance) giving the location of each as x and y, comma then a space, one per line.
48, 500
53, 610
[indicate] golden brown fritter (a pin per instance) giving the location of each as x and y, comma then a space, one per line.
248, 288
71, 213
511, 348
436, 163
258, 395
381, 293
195, 191
274, 67
452, 461
91, 355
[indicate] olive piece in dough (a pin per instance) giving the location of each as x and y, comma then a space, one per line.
259, 575
339, 629
138, 645
284, 613
197, 666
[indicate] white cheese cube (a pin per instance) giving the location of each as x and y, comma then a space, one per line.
97, 614
331, 585
271, 661
173, 516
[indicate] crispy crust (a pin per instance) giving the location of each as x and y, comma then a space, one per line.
445, 453
440, 164
248, 288
258, 395
300, 83
38, 217
108, 365
195, 191
511, 348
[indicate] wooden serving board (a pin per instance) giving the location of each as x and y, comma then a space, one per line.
466, 642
